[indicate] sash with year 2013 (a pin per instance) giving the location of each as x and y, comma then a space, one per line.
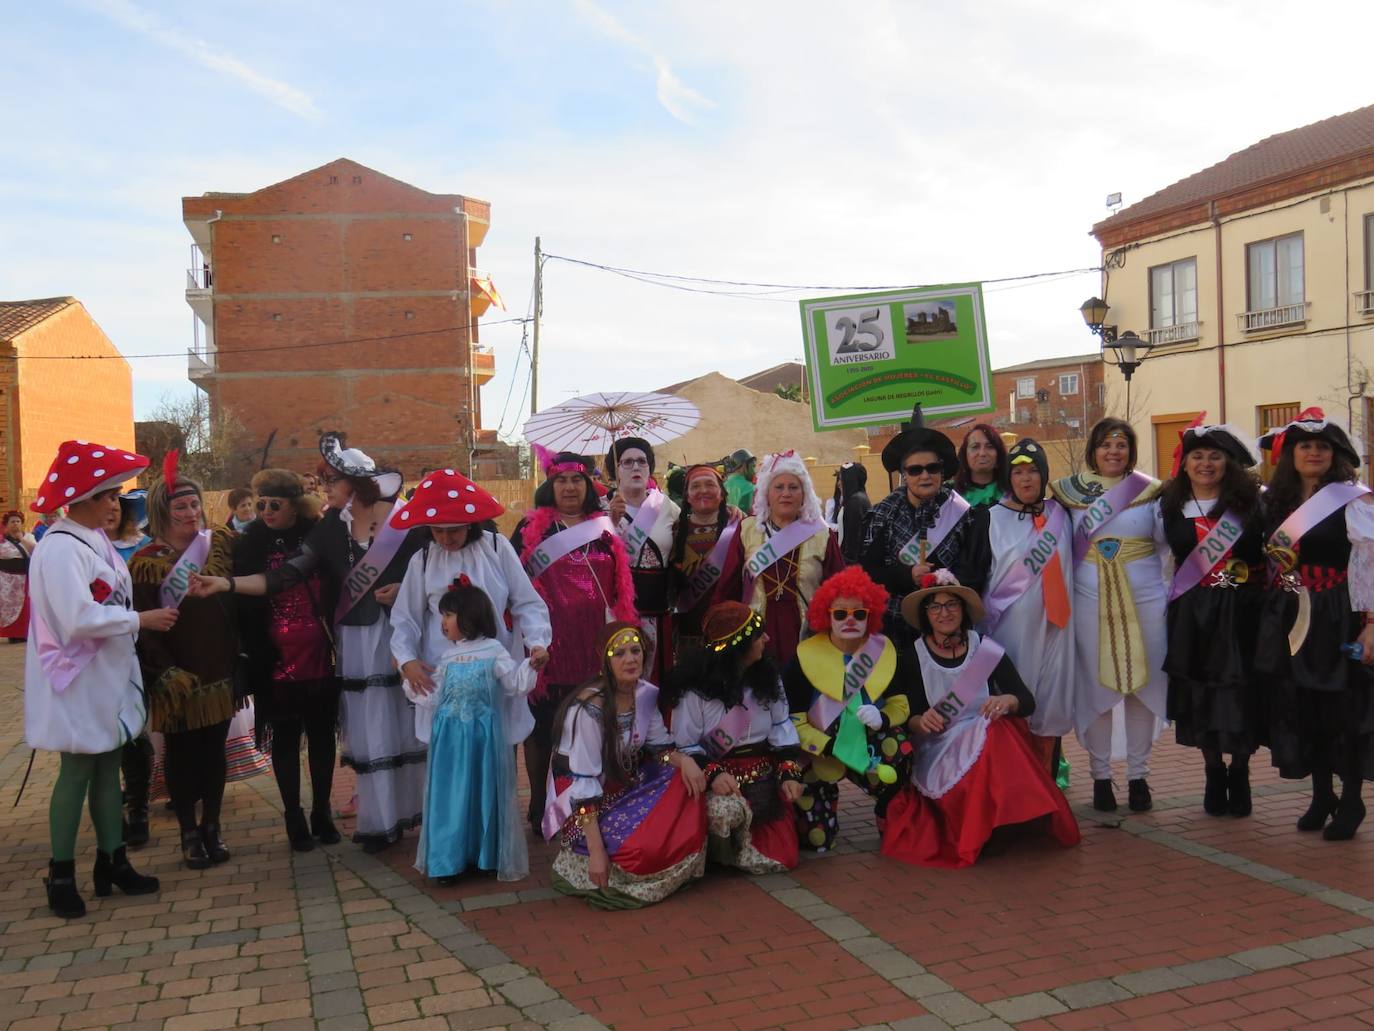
1106, 508
708, 570
790, 537
1218, 543
731, 730
1043, 545
917, 549
369, 568
565, 542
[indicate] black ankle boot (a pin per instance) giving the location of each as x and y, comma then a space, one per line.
297, 832
323, 827
193, 852
216, 849
1323, 803
136, 828
1238, 788
114, 869
1138, 795
1104, 798
1349, 813
1214, 800
63, 898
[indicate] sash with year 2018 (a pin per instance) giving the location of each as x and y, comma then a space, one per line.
1215, 546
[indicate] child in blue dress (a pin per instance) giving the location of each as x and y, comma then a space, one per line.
473, 719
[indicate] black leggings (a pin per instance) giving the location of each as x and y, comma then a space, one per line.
195, 767
316, 721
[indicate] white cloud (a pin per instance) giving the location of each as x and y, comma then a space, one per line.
144, 22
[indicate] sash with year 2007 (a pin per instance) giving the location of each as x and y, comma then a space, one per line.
1043, 545
916, 550
1106, 508
368, 569
565, 542
791, 536
1218, 543
707, 572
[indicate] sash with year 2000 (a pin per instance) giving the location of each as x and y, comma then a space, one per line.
1104, 510
1043, 545
826, 710
177, 582
791, 536
968, 687
1213, 548
368, 569
565, 542
916, 550
708, 570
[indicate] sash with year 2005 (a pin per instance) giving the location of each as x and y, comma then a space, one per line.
368, 569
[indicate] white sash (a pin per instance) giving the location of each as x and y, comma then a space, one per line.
918, 549
1104, 510
642, 524
565, 542
369, 569
1018, 579
708, 570
173, 589
944, 758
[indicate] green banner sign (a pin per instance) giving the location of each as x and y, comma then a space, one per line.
870, 357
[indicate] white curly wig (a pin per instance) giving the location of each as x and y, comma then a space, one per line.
785, 462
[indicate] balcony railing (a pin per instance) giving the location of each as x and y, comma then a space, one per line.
1364, 300
1174, 334
199, 278
1273, 318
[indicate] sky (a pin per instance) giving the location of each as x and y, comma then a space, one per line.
789, 142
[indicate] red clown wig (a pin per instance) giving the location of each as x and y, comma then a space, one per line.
850, 582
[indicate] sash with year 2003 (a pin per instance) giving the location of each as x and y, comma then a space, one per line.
1106, 508
1018, 579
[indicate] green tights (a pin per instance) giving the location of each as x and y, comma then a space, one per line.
79, 776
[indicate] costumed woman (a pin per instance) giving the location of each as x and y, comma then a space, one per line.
1320, 544
578, 565
362, 559
730, 714
1028, 599
188, 670
130, 535
785, 550
291, 659
1118, 608
848, 508
923, 525
644, 517
14, 575
137, 757
846, 689
705, 567
83, 693
628, 805
982, 475
976, 782
1211, 514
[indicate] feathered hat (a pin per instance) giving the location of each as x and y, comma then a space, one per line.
350, 461
1311, 424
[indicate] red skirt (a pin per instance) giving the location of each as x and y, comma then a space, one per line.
19, 629
1007, 785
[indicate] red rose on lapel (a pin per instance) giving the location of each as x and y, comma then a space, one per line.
100, 590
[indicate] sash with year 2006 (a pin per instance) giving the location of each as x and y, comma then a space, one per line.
791, 536
565, 542
707, 572
1043, 546
1104, 510
178, 581
368, 569
1219, 542
915, 551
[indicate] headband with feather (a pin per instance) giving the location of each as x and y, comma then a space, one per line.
171, 475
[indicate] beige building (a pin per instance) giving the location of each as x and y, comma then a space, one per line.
1254, 281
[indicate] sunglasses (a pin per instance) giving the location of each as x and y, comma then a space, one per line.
843, 614
327, 480
934, 468
944, 606
274, 505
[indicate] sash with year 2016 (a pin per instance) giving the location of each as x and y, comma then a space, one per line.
916, 550
969, 685
642, 524
791, 536
1043, 545
708, 570
368, 569
177, 582
1321, 505
1104, 510
1213, 548
565, 542
826, 710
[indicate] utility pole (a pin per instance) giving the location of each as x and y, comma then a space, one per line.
538, 308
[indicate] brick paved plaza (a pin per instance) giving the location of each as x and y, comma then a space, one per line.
1167, 920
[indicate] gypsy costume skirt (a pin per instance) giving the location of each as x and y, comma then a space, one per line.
753, 831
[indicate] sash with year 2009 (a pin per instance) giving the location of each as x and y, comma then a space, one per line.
708, 570
642, 524
969, 685
1106, 508
177, 582
1213, 548
916, 550
791, 536
565, 542
368, 569
1043, 545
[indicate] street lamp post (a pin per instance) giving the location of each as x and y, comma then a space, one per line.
1127, 350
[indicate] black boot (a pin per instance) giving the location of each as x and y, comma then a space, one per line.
323, 827
1138, 797
1214, 800
1323, 803
136, 828
136, 761
1238, 787
63, 898
297, 832
114, 869
1349, 812
216, 849
193, 852
1104, 798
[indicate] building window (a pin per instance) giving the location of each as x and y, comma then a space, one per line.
357, 179
1068, 384
405, 237
1271, 417
1025, 386
333, 179
1102, 393
1366, 299
1173, 302
276, 238
410, 315
1023, 415
1274, 282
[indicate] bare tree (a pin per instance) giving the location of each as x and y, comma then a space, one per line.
211, 443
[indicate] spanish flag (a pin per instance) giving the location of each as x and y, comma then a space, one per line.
484, 294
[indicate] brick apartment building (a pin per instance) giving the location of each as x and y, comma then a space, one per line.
342, 299
47, 395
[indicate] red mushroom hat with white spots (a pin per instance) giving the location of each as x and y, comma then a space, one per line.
445, 497
82, 469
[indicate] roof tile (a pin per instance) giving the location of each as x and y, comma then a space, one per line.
18, 316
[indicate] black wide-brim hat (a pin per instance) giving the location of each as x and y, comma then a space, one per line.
1289, 436
916, 437
1227, 439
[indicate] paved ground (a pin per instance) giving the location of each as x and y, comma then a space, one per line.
1168, 920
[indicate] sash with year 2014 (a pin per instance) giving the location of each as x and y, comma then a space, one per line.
565, 542
791, 536
1106, 508
1043, 545
916, 550
1218, 543
642, 524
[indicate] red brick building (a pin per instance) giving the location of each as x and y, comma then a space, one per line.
342, 299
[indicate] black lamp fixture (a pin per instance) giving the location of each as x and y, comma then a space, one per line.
1094, 311
1126, 351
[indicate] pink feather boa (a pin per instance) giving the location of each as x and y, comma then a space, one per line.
537, 526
